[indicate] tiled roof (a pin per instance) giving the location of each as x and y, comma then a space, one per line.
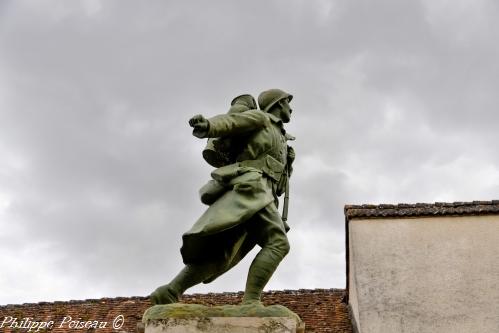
422, 209
322, 310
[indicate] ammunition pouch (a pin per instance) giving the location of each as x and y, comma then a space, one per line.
226, 173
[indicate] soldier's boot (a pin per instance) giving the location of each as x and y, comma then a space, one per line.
261, 269
164, 295
189, 276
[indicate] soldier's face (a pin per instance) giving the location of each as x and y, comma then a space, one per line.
285, 111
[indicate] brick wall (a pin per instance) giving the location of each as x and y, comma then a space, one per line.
321, 309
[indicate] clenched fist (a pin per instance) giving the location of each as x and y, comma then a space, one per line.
200, 126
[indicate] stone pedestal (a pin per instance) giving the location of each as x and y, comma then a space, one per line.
194, 318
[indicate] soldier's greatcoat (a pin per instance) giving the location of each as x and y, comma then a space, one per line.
221, 233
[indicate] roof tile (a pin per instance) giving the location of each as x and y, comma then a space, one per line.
422, 209
322, 310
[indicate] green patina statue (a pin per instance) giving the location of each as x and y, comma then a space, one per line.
248, 146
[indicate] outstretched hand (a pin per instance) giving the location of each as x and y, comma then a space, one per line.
200, 126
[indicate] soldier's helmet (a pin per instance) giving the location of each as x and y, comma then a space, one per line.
268, 98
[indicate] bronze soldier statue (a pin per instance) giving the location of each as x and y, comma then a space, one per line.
243, 199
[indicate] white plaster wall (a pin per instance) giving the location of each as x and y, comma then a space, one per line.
353, 299
418, 275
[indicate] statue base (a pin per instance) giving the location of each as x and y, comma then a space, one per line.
194, 318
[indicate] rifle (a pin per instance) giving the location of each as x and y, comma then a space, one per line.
285, 206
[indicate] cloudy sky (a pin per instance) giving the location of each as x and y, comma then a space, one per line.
395, 101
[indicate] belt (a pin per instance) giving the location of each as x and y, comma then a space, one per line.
268, 165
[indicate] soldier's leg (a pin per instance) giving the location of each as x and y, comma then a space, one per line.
269, 229
189, 276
